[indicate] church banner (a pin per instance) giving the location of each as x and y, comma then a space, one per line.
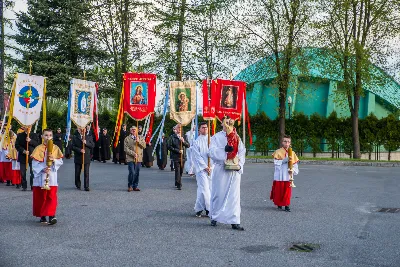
229, 99
139, 94
29, 92
82, 101
209, 87
182, 101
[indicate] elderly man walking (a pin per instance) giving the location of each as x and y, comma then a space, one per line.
133, 147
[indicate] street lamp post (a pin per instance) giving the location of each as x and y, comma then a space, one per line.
289, 101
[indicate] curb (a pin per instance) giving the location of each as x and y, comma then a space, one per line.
332, 162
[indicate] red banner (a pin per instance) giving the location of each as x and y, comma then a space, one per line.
229, 99
139, 94
209, 90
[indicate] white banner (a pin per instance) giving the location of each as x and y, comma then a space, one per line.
28, 98
82, 97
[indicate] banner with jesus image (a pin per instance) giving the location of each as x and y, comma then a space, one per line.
82, 101
183, 101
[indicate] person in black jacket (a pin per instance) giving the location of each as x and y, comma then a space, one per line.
122, 135
82, 154
162, 154
105, 146
58, 139
20, 144
177, 145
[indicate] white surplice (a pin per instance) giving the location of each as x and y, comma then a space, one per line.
200, 162
39, 174
225, 189
189, 158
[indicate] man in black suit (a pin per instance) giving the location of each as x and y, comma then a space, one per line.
123, 134
178, 144
82, 154
58, 139
105, 146
23, 140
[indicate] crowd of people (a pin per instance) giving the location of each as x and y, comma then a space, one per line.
218, 184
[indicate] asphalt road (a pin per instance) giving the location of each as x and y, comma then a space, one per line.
334, 207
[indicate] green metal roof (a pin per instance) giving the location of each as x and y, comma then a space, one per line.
320, 63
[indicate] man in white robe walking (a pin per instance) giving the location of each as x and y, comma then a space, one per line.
225, 189
202, 170
189, 168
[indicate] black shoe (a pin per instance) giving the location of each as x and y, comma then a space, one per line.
172, 170
31, 188
198, 214
18, 186
213, 223
52, 220
87, 189
43, 220
23, 189
279, 207
179, 187
287, 208
237, 227
8, 183
207, 212
104, 161
78, 187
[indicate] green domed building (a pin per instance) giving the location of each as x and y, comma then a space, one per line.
316, 88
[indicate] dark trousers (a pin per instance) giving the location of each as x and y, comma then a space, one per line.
23, 174
78, 169
178, 172
133, 177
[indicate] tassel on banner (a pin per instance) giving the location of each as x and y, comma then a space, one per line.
248, 119
120, 117
214, 126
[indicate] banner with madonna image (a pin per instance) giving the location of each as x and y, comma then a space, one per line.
182, 101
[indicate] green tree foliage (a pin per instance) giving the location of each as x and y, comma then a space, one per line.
298, 128
315, 133
331, 132
368, 133
390, 134
55, 35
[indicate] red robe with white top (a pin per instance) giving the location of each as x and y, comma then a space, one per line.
45, 201
281, 191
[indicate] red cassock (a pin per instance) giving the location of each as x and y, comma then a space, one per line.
6, 170
16, 177
44, 201
1, 172
281, 193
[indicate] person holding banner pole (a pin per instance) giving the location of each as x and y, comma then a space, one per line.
81, 145
25, 144
177, 144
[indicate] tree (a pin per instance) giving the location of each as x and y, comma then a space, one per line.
117, 27
315, 133
3, 5
331, 132
357, 32
212, 44
368, 133
390, 134
55, 35
298, 129
276, 28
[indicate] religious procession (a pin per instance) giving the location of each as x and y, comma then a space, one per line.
216, 160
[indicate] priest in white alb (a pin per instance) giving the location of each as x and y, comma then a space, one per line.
202, 167
228, 154
45, 165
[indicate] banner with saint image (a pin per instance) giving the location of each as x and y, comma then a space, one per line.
229, 98
182, 101
81, 102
